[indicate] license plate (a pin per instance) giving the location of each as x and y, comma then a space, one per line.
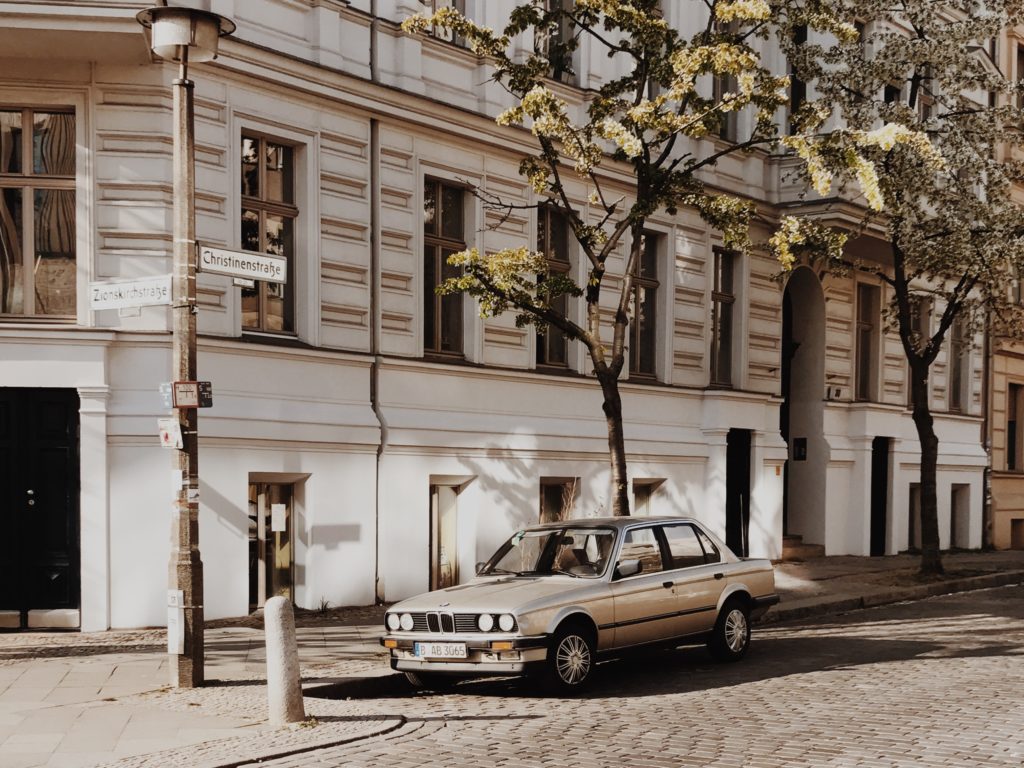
439, 650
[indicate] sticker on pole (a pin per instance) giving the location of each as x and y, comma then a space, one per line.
170, 433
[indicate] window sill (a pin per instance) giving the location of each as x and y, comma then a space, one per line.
274, 339
61, 320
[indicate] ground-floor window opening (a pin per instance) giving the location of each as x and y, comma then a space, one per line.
914, 518
644, 489
558, 498
959, 516
271, 542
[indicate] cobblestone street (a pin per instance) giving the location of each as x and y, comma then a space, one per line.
938, 682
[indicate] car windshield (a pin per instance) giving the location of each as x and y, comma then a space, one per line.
579, 552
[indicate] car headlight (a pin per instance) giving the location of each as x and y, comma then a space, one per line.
406, 622
485, 622
506, 621
394, 622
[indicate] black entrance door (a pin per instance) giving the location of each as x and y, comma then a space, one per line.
879, 493
737, 491
39, 500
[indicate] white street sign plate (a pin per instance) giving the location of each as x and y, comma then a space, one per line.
120, 294
243, 264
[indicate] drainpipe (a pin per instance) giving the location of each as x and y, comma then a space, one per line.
375, 305
986, 433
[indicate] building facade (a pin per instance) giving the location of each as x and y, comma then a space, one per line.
369, 439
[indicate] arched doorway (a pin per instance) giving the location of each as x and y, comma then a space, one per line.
801, 418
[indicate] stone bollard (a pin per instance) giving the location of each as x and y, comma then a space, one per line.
284, 687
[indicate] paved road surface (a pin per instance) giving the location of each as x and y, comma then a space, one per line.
928, 684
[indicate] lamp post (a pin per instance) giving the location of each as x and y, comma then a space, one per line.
181, 35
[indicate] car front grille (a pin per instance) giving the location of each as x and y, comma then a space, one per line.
442, 622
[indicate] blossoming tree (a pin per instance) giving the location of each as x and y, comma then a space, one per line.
655, 120
926, 69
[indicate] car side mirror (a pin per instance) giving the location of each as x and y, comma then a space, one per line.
628, 568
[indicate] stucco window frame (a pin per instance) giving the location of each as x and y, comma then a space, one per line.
85, 254
473, 237
305, 267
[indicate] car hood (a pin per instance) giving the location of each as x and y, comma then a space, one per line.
500, 594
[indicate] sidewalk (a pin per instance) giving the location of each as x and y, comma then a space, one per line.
73, 699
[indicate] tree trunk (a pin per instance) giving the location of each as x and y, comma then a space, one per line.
931, 559
616, 441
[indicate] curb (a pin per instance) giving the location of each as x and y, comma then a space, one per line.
829, 607
392, 723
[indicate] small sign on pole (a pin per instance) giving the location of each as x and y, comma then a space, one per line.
175, 621
191, 394
170, 433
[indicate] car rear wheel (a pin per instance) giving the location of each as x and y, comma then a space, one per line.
570, 663
730, 638
430, 681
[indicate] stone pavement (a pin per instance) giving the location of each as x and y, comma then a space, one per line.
74, 699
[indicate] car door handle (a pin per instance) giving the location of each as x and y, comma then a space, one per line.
667, 584
719, 575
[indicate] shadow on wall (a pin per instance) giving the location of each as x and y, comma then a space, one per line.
229, 514
519, 490
333, 536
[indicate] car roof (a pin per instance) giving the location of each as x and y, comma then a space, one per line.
609, 522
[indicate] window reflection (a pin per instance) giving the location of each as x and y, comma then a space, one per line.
38, 236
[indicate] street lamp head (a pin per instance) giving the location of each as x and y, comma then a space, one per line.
172, 29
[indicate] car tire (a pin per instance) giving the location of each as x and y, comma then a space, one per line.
730, 638
569, 666
429, 681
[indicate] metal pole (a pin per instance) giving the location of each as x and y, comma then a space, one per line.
186, 567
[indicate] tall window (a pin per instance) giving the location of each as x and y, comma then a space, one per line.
433, 6
1014, 428
37, 212
268, 226
726, 84
797, 87
922, 329
643, 330
867, 341
443, 235
553, 242
958, 348
1020, 75
551, 43
727, 126
557, 498
723, 300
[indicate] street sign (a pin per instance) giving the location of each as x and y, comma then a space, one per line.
121, 294
191, 394
244, 264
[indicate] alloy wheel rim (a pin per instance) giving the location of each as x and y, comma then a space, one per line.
736, 630
572, 659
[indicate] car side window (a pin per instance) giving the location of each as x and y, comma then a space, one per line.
641, 544
711, 553
683, 547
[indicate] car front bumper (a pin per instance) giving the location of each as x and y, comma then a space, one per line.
481, 658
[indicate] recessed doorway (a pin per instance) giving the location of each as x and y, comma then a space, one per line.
271, 543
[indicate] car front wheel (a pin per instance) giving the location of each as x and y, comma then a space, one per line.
731, 636
570, 662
